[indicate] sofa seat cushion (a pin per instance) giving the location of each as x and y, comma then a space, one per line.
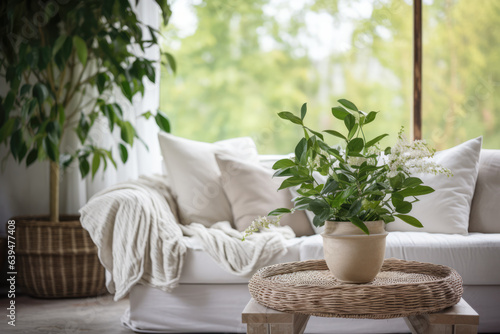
476, 256
200, 268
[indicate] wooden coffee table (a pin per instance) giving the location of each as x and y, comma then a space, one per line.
458, 319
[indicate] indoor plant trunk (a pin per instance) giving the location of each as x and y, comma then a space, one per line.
54, 191
351, 255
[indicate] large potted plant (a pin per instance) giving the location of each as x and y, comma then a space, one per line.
64, 63
354, 188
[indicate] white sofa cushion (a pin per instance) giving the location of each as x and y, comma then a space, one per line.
475, 256
485, 208
253, 192
200, 268
447, 209
195, 176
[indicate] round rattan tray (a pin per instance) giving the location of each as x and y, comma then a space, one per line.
402, 288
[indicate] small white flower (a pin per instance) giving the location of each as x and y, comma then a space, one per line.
260, 223
414, 157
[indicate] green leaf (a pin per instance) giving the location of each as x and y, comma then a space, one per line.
126, 90
318, 206
412, 182
349, 122
62, 116
65, 160
84, 166
286, 172
81, 49
123, 152
117, 107
303, 111
355, 207
375, 140
51, 149
150, 72
6, 129
330, 186
96, 161
102, 78
353, 131
319, 221
335, 133
397, 181
293, 181
25, 89
410, 220
22, 151
147, 114
348, 104
279, 211
58, 44
300, 149
40, 92
340, 113
284, 163
162, 121
401, 206
110, 157
359, 223
416, 191
64, 54
32, 156
370, 117
356, 145
171, 62
289, 116
317, 134
16, 143
300, 201
387, 219
127, 133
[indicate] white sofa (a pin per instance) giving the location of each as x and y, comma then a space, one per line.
208, 299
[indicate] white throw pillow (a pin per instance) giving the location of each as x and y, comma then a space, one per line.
195, 175
447, 209
253, 192
485, 208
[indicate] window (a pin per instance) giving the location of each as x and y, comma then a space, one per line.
242, 62
461, 72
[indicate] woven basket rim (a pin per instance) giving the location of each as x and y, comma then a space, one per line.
330, 301
65, 221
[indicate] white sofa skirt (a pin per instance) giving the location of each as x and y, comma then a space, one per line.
204, 308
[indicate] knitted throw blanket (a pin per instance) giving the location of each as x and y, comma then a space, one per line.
139, 240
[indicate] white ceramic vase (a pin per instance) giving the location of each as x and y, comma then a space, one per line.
351, 255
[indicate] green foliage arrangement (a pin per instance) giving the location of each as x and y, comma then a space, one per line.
355, 181
53, 55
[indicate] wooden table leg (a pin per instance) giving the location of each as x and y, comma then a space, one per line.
458, 319
263, 320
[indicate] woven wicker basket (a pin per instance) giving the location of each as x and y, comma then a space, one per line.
57, 260
402, 288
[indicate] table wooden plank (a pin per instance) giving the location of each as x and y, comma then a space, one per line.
461, 313
256, 313
458, 319
258, 329
262, 320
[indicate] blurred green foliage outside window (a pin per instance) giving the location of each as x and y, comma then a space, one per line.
241, 62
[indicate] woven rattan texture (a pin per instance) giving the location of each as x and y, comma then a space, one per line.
57, 260
402, 288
